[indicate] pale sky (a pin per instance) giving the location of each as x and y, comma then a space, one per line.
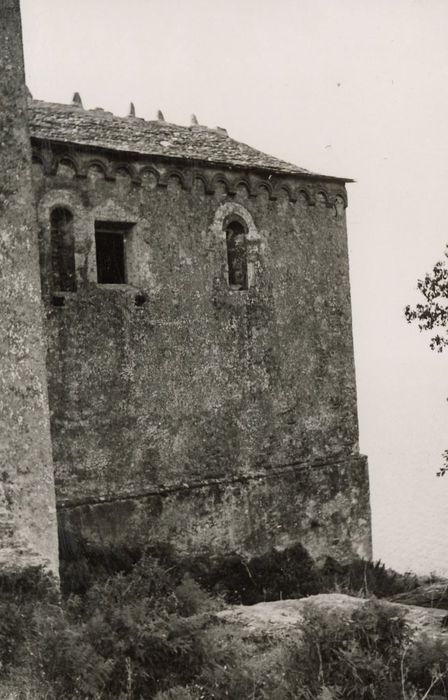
355, 88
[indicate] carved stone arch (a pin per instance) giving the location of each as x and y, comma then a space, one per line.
97, 164
284, 191
123, 179
175, 178
61, 197
341, 197
119, 168
322, 197
265, 187
225, 215
60, 205
67, 161
303, 193
149, 176
174, 173
242, 189
131, 171
237, 218
205, 184
232, 210
340, 204
220, 182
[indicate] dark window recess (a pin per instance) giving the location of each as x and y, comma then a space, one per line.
57, 301
110, 255
140, 299
63, 250
237, 255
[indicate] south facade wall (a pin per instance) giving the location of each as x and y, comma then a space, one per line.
202, 383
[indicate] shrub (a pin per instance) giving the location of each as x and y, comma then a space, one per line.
277, 574
32, 583
352, 659
81, 564
191, 598
133, 625
130, 634
237, 667
66, 658
19, 594
427, 665
360, 576
13, 630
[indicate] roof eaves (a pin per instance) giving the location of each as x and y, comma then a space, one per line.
196, 161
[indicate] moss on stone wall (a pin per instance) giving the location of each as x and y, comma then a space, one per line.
199, 384
27, 500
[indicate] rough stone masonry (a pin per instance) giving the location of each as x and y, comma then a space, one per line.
27, 496
197, 318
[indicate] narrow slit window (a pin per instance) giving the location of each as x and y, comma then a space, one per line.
63, 250
236, 240
110, 243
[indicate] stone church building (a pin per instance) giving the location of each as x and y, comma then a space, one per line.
177, 304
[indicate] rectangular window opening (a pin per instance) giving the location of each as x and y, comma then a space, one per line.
110, 240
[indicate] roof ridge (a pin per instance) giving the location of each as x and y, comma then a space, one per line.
100, 111
99, 128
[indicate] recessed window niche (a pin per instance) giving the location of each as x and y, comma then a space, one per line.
111, 240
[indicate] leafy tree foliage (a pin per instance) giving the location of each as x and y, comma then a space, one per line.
432, 315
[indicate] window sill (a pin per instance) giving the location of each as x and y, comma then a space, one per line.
139, 297
237, 288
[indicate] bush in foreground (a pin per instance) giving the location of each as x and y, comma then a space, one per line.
135, 625
274, 575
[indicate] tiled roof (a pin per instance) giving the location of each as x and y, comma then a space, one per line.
98, 128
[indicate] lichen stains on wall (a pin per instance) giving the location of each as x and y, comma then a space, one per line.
199, 381
27, 500
326, 508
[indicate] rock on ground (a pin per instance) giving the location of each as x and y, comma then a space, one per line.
277, 618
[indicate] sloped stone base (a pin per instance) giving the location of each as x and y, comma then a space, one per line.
324, 507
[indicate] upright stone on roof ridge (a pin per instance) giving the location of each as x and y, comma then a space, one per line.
131, 112
194, 120
160, 116
77, 100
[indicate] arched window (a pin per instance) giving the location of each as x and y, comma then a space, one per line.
236, 240
63, 250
